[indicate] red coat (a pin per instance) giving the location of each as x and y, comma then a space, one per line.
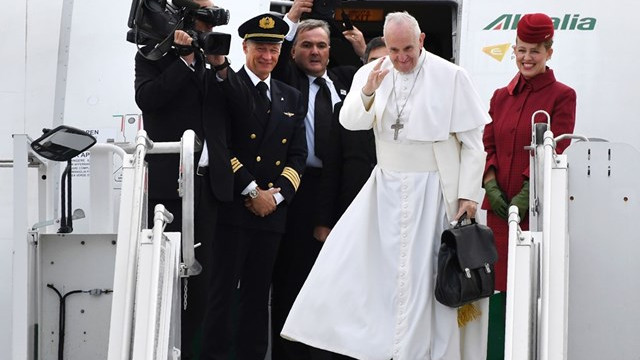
505, 138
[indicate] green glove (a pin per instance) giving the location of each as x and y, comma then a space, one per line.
497, 198
521, 200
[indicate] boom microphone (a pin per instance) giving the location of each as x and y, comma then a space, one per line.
186, 4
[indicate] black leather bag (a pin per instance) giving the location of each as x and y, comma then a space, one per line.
465, 264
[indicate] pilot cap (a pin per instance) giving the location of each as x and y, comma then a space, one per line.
535, 28
264, 28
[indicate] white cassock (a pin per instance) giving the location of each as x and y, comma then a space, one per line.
370, 294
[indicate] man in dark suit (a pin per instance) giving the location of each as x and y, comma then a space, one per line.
350, 159
351, 156
176, 93
308, 42
268, 152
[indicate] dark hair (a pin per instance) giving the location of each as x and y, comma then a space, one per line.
310, 24
373, 44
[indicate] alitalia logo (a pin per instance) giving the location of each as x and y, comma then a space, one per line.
566, 22
497, 51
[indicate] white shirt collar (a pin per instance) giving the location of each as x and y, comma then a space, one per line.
255, 79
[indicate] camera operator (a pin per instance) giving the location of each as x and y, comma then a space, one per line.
169, 91
179, 92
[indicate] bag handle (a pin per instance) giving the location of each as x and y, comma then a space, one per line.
462, 218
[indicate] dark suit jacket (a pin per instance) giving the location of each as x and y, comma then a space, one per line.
273, 155
171, 97
287, 71
298, 250
350, 158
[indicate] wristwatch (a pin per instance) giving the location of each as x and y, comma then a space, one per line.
222, 66
253, 193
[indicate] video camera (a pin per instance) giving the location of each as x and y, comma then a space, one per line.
324, 9
153, 22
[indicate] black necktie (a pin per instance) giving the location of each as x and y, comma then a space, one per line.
263, 89
322, 116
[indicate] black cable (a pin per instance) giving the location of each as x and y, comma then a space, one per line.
62, 312
61, 316
69, 197
63, 203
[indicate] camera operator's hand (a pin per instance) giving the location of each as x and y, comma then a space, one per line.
298, 8
216, 61
355, 37
181, 38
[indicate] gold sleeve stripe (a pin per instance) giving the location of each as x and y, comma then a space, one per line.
292, 176
292, 181
235, 165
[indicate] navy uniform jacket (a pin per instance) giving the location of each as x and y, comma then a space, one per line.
226, 102
273, 155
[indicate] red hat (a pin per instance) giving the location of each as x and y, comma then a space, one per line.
535, 28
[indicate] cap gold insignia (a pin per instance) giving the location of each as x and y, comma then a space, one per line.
267, 23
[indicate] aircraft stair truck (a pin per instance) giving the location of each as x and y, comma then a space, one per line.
572, 293
109, 293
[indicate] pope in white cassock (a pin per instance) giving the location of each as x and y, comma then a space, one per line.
370, 294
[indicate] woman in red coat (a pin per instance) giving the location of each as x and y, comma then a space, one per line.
506, 177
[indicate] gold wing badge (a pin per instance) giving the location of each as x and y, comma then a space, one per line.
289, 114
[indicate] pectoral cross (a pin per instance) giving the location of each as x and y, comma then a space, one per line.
396, 127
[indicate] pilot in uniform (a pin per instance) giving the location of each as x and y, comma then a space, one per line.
268, 152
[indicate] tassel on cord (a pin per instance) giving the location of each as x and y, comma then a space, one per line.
467, 313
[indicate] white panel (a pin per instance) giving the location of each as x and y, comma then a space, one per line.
604, 291
11, 115
76, 262
12, 69
156, 304
521, 306
558, 245
21, 286
42, 30
5, 291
